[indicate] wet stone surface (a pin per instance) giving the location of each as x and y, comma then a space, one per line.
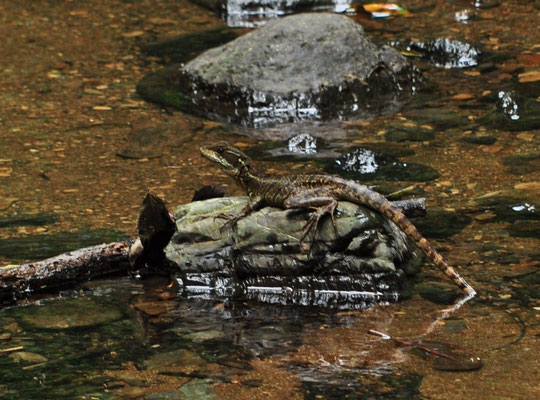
67, 314
259, 79
261, 258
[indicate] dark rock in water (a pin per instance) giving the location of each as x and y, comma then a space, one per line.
36, 247
447, 53
66, 314
262, 257
513, 110
521, 212
366, 165
158, 87
183, 48
307, 66
202, 389
481, 140
525, 228
509, 208
411, 133
208, 192
441, 119
521, 164
144, 142
438, 292
28, 220
441, 224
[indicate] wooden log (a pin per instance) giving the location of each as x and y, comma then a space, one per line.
18, 281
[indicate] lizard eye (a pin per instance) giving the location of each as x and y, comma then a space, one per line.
220, 150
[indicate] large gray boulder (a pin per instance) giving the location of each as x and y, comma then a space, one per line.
306, 66
262, 258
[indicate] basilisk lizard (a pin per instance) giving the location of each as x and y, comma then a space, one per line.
319, 193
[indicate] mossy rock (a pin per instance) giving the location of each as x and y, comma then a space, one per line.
67, 314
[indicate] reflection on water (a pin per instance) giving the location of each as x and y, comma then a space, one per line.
362, 161
508, 105
252, 14
303, 144
79, 350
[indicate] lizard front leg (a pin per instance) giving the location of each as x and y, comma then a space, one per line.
320, 200
253, 205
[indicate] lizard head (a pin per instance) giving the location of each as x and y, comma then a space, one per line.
231, 160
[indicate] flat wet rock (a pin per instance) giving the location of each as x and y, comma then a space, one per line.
261, 78
67, 314
519, 208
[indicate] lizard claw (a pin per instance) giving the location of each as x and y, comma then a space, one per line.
311, 226
231, 222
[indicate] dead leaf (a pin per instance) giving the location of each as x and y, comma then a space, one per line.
463, 96
133, 34
529, 76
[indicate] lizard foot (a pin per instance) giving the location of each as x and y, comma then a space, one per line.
230, 223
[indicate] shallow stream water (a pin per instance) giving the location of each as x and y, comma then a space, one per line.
67, 94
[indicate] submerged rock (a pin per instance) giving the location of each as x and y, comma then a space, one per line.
262, 258
402, 133
28, 220
66, 314
514, 109
40, 246
519, 207
521, 164
441, 224
367, 165
27, 356
183, 48
307, 66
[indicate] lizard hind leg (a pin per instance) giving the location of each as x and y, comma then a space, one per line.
316, 199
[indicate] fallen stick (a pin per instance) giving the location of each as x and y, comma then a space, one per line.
17, 281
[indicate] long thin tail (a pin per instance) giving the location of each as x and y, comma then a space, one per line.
362, 194
421, 242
